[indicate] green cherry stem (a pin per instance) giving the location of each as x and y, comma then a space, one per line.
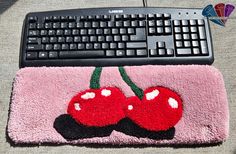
137, 91
95, 78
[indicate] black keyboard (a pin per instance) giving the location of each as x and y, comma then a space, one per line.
115, 37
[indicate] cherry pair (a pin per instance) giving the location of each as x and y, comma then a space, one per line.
159, 109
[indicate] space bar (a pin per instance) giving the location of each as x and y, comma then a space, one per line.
82, 54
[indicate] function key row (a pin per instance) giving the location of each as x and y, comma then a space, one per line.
159, 16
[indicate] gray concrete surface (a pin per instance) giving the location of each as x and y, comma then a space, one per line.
10, 33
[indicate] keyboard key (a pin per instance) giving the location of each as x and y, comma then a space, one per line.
161, 52
161, 44
43, 55
56, 25
177, 22
202, 33
184, 22
33, 33
53, 55
48, 47
196, 51
113, 45
105, 45
136, 45
195, 43
167, 15
89, 46
159, 30
101, 39
186, 36
187, 43
192, 22
178, 44
159, 23
97, 46
152, 52
33, 47
65, 47
178, 36
121, 45
185, 29
53, 39
45, 40
141, 52
167, 22
81, 46
32, 25
158, 15
31, 55
177, 29
204, 47
82, 54
32, 19
73, 46
168, 30
120, 53
69, 39
170, 52
193, 29
194, 36
200, 22
151, 30
130, 53
110, 53
61, 39
91, 32
183, 51
32, 40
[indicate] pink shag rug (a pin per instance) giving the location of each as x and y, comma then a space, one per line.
193, 107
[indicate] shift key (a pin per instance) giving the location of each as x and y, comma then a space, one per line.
33, 47
136, 45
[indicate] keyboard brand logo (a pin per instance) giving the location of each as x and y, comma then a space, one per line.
115, 11
219, 13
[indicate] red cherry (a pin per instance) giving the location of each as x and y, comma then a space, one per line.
160, 109
97, 107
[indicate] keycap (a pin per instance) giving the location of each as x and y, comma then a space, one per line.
170, 52
161, 52
187, 43
194, 36
120, 53
82, 54
43, 55
130, 52
33, 32
53, 55
31, 55
110, 53
153, 52
48, 47
196, 51
32, 40
140, 35
136, 45
200, 22
161, 44
195, 43
141, 52
183, 51
202, 34
176, 22
33, 47
192, 22
32, 19
204, 47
